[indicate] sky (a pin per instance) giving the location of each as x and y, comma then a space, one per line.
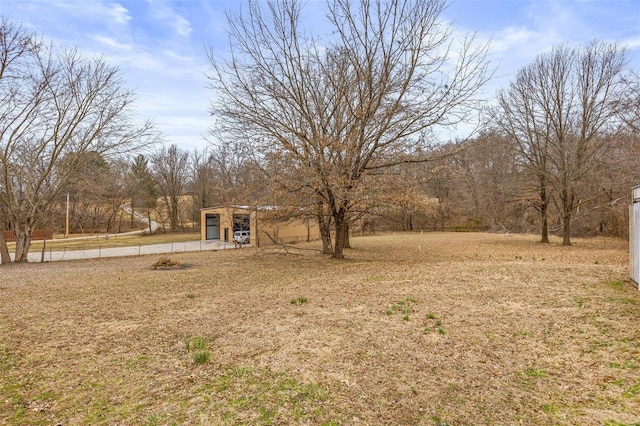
159, 45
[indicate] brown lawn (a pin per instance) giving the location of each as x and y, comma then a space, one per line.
425, 329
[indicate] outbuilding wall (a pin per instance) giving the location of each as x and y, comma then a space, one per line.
226, 221
634, 236
263, 230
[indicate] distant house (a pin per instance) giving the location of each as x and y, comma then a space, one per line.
265, 224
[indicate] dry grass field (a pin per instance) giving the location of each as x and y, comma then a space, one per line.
411, 329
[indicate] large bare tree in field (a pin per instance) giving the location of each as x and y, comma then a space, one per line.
55, 106
521, 116
557, 109
339, 110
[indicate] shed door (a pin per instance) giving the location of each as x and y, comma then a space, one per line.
213, 226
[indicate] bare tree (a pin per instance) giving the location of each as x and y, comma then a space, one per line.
54, 105
202, 183
142, 188
342, 109
557, 109
235, 171
115, 195
605, 192
629, 102
522, 117
171, 170
489, 182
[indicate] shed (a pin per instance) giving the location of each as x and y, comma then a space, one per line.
634, 236
265, 224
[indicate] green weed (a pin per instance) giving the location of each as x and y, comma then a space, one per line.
535, 372
434, 323
633, 391
198, 345
625, 365
438, 421
201, 357
299, 300
616, 285
137, 361
264, 392
404, 307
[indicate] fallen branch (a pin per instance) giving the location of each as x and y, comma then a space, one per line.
286, 247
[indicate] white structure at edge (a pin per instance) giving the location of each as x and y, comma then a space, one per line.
634, 236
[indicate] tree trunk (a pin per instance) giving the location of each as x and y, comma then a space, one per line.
567, 207
324, 223
566, 229
23, 243
149, 219
408, 222
544, 212
120, 221
44, 249
95, 219
133, 214
173, 214
544, 230
342, 229
112, 217
5, 258
347, 237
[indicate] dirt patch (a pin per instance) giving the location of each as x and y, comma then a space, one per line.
459, 329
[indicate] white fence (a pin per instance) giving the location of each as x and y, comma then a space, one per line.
634, 236
52, 255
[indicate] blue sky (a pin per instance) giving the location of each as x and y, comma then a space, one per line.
159, 44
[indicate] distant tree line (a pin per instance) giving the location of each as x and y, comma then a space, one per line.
347, 124
344, 127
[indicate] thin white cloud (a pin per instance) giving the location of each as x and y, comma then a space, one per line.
159, 44
631, 42
119, 13
166, 16
182, 26
512, 37
107, 12
111, 43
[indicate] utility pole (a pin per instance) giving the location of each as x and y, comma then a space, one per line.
66, 229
